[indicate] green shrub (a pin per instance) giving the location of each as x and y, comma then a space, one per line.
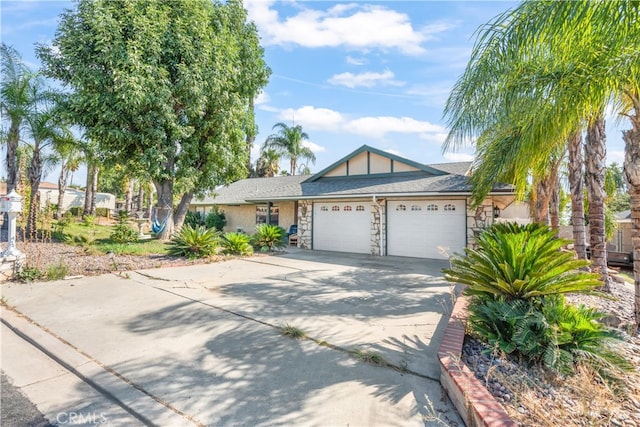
517, 277
28, 274
102, 212
237, 244
269, 237
194, 219
216, 219
520, 262
89, 220
57, 271
195, 242
122, 232
549, 332
76, 211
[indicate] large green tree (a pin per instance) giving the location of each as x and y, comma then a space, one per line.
162, 86
288, 141
552, 67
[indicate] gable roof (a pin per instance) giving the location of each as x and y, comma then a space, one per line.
457, 168
425, 168
423, 180
239, 192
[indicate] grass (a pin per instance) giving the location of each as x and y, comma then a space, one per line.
98, 237
370, 357
292, 332
57, 271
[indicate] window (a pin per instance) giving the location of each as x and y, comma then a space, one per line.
432, 207
401, 208
347, 208
360, 208
264, 215
324, 209
449, 207
335, 208
415, 208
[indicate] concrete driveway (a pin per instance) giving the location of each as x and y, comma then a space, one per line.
201, 345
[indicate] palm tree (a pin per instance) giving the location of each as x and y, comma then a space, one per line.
268, 163
288, 142
563, 62
15, 103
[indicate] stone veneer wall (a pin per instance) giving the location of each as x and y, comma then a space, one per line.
478, 219
305, 218
378, 227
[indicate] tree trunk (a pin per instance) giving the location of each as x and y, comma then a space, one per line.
554, 206
94, 190
181, 211
542, 198
13, 139
128, 197
34, 173
577, 194
140, 204
62, 187
251, 135
87, 190
165, 206
631, 139
147, 213
595, 153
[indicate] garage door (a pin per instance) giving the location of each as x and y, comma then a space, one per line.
420, 228
342, 227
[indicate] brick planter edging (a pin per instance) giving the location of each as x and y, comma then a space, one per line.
476, 405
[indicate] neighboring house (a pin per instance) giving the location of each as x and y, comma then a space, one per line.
370, 202
621, 240
72, 197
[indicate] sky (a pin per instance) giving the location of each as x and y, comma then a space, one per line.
350, 73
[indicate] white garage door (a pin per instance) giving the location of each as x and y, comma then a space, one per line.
419, 228
342, 227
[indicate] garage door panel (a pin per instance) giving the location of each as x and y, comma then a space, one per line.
424, 228
342, 227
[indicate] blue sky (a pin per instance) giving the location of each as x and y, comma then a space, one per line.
351, 73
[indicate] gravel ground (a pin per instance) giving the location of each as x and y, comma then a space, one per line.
78, 262
534, 397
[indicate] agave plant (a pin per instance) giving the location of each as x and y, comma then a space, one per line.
237, 244
269, 237
520, 262
194, 242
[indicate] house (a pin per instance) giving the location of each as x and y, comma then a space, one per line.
621, 240
369, 202
72, 197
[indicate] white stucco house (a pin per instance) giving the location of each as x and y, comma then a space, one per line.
369, 202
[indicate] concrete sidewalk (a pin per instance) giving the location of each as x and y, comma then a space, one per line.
200, 345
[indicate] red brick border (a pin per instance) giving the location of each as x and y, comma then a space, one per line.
476, 405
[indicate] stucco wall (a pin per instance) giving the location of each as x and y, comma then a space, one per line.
244, 216
379, 164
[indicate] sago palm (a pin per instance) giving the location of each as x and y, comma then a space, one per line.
519, 263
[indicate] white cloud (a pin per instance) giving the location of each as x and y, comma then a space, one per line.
354, 26
313, 146
312, 118
378, 127
366, 79
356, 61
262, 98
459, 157
255, 151
375, 127
615, 156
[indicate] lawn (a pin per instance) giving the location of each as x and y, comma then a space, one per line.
97, 236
